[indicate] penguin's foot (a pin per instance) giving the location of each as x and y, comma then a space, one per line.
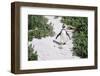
64, 43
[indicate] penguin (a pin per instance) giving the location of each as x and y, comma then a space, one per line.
63, 35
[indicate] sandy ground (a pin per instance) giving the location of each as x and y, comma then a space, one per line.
48, 50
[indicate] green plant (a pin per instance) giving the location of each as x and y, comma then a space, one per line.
80, 34
32, 55
38, 27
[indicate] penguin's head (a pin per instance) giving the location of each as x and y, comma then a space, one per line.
63, 26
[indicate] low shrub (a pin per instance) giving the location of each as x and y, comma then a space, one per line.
80, 34
32, 55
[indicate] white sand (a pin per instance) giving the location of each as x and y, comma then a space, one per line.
48, 50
